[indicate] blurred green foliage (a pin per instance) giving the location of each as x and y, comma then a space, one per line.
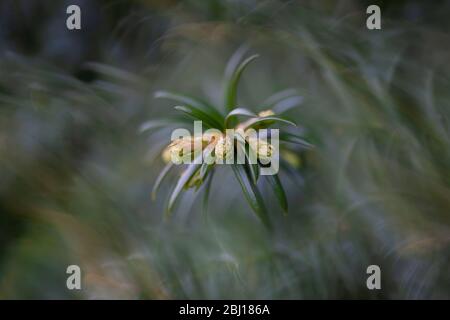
76, 175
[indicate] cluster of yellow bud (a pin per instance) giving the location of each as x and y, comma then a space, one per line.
264, 149
266, 113
224, 148
186, 147
183, 147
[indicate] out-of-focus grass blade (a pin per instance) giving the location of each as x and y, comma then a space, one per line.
158, 123
190, 171
232, 83
293, 174
278, 189
283, 101
200, 115
160, 178
114, 72
238, 112
271, 119
280, 95
293, 138
251, 193
206, 195
178, 97
190, 101
287, 104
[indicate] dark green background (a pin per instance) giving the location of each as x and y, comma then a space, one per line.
75, 174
